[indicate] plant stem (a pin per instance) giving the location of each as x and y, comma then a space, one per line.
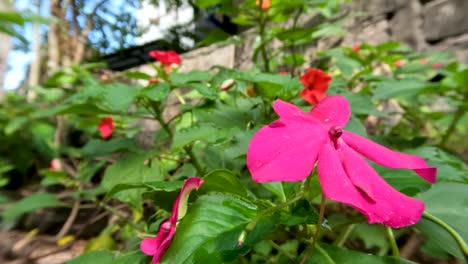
194, 160
325, 254
266, 60
344, 235
317, 232
120, 215
461, 243
188, 149
458, 115
280, 249
393, 244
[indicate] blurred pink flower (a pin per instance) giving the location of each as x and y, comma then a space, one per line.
55, 165
157, 246
399, 63
106, 127
356, 47
289, 148
436, 65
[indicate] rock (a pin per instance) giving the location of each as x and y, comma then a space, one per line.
445, 18
406, 26
378, 7
371, 32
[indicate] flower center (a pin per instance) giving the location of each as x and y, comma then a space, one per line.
335, 132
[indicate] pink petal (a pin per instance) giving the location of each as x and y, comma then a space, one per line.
166, 241
332, 111
149, 246
285, 150
180, 205
338, 187
399, 210
288, 111
389, 158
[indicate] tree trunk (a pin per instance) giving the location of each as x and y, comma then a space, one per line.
5, 46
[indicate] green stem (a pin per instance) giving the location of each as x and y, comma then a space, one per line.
461, 243
344, 235
317, 232
120, 215
266, 60
325, 254
281, 205
280, 249
393, 244
194, 160
458, 115
188, 149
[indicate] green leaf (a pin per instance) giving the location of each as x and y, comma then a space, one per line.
204, 89
461, 78
336, 255
156, 91
33, 202
98, 256
205, 133
206, 3
277, 189
79, 109
153, 186
137, 75
207, 224
395, 88
119, 96
179, 79
448, 202
131, 169
223, 181
98, 147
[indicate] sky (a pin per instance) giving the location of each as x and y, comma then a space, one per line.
147, 15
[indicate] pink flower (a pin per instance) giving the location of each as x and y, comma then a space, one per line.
166, 57
315, 83
356, 47
55, 165
157, 246
436, 66
424, 61
399, 63
287, 150
106, 127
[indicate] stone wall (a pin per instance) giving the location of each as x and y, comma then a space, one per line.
424, 25
440, 25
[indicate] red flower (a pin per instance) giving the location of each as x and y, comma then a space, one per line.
157, 246
106, 127
436, 65
166, 57
356, 47
265, 4
399, 63
315, 83
283, 72
153, 80
424, 61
